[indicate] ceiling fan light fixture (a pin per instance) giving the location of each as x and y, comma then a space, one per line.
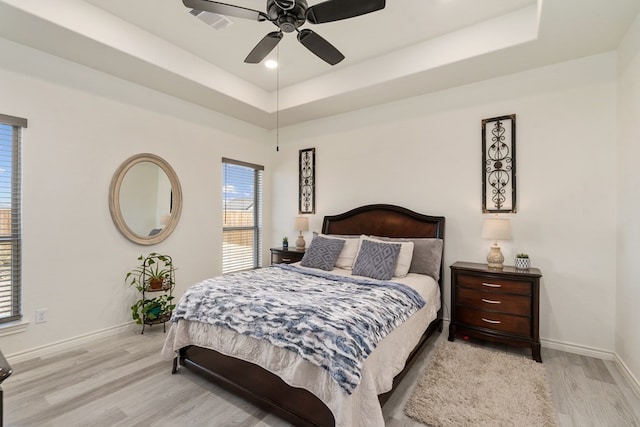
289, 16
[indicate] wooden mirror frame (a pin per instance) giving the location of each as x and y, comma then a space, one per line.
114, 199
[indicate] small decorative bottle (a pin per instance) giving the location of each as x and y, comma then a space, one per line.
285, 243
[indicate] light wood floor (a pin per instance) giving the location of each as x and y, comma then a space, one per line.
121, 381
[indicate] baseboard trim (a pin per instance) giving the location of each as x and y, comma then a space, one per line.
565, 346
125, 327
69, 342
578, 349
626, 372
633, 382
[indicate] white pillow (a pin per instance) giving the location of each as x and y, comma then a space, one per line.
348, 254
404, 258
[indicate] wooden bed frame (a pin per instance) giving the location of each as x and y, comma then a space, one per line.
267, 390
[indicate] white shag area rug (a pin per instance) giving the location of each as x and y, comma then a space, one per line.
464, 385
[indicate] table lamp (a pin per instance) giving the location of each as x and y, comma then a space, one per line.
496, 229
302, 224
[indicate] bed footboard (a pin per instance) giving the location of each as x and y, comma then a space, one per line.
259, 386
268, 391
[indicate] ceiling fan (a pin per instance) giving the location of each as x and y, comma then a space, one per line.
289, 16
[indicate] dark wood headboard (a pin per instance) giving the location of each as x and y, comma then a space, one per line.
387, 221
384, 220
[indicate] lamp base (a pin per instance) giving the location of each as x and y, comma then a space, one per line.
300, 243
495, 258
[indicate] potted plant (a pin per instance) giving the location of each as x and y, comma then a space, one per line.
285, 243
522, 261
150, 310
154, 273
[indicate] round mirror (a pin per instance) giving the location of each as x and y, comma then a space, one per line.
145, 199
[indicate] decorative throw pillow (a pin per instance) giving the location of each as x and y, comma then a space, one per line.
376, 259
404, 257
322, 253
349, 250
427, 255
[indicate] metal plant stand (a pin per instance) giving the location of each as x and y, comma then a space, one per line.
165, 287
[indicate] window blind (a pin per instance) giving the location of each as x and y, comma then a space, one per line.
10, 220
241, 215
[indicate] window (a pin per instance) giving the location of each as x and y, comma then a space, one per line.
10, 239
241, 216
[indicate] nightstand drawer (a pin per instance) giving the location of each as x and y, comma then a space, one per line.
494, 284
517, 325
286, 256
504, 303
285, 260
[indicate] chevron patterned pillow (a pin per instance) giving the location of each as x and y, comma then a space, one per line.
376, 259
322, 253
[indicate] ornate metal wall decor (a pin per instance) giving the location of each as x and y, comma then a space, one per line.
307, 181
499, 164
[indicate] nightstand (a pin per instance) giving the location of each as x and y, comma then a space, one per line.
287, 256
496, 305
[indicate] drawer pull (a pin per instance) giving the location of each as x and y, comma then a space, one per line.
489, 301
491, 285
495, 322
286, 259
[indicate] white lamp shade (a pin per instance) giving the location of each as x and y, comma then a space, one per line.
302, 223
496, 229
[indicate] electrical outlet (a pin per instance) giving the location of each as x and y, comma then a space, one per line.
41, 315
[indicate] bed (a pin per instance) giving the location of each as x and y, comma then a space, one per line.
296, 390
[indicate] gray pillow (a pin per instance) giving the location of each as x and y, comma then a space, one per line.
322, 253
427, 255
376, 260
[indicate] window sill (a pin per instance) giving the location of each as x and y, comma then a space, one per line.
13, 327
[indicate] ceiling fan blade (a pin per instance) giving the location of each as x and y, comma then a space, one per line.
263, 47
335, 10
225, 9
320, 47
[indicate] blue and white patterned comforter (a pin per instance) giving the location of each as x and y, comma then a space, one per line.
332, 321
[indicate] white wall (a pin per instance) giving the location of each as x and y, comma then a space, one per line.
628, 290
82, 126
425, 154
